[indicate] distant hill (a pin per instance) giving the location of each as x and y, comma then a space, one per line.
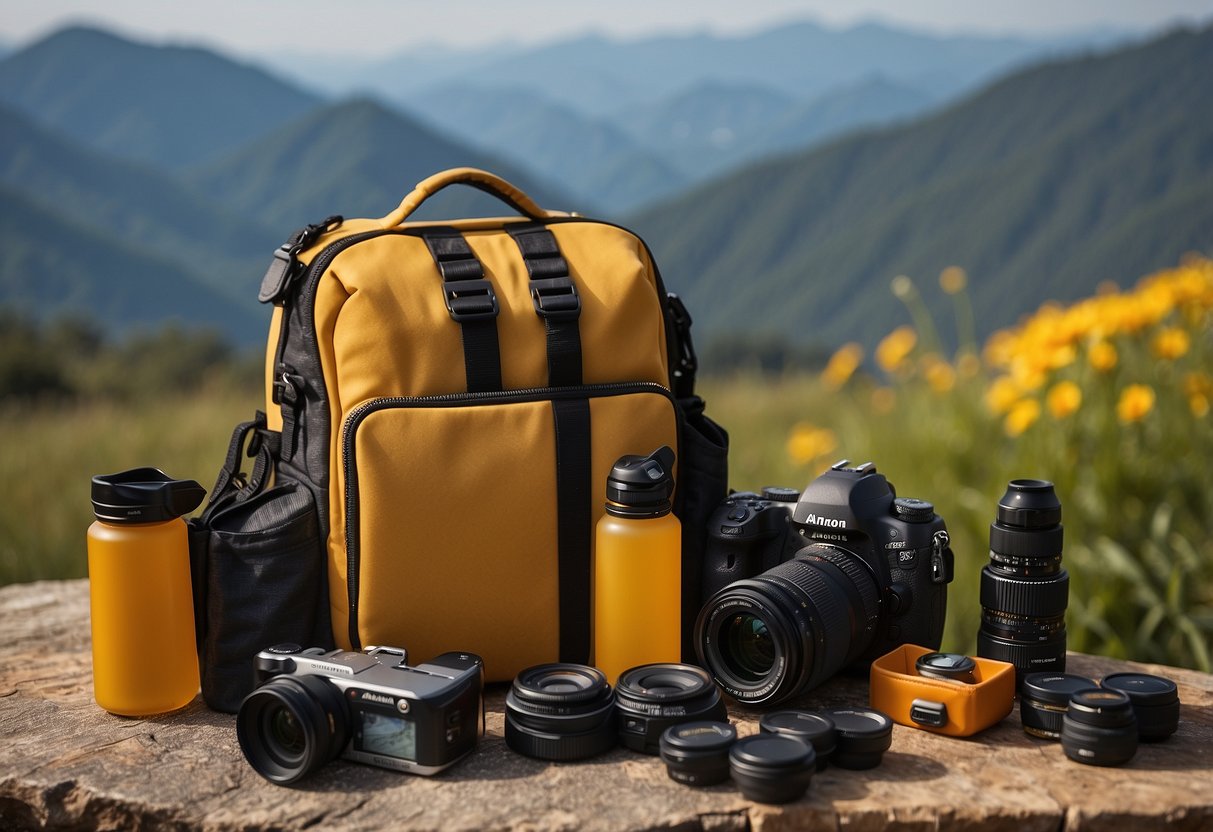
356, 158
130, 204
1042, 186
591, 158
49, 266
165, 105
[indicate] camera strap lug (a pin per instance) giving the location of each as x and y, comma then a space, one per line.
942, 560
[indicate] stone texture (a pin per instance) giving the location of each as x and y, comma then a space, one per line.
66, 764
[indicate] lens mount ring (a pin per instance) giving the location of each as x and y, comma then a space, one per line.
560, 684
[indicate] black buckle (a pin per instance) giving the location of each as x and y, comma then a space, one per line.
286, 388
470, 300
556, 298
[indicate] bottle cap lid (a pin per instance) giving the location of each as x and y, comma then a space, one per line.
641, 486
143, 495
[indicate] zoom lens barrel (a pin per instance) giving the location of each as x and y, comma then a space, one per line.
1024, 589
291, 726
791, 628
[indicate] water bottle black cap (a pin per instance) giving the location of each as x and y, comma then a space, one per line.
1029, 504
641, 486
143, 495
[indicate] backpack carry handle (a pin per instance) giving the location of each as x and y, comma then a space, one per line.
476, 178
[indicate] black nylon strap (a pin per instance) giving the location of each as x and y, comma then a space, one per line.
573, 530
472, 302
556, 300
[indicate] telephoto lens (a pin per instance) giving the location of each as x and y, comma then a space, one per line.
772, 768
1099, 728
1155, 703
1024, 590
653, 697
560, 712
811, 727
697, 753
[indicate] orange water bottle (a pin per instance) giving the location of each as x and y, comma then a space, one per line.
638, 567
145, 659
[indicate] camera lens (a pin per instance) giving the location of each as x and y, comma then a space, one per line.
1099, 728
789, 629
1155, 703
864, 735
654, 697
1024, 590
697, 753
560, 712
1043, 699
291, 726
772, 768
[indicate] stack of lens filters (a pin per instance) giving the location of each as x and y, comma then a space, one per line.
653, 697
1024, 590
560, 712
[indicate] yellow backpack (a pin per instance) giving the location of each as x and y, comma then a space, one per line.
451, 396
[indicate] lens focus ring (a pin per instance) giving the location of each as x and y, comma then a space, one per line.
1019, 596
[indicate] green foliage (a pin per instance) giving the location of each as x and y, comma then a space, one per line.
1044, 185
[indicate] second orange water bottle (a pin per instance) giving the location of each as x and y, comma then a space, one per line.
638, 567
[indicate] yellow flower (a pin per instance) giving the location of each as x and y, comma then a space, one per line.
1136, 401
953, 280
883, 399
842, 365
806, 443
939, 374
1023, 415
968, 365
1063, 399
1170, 343
1198, 384
1002, 394
1198, 403
893, 350
1102, 356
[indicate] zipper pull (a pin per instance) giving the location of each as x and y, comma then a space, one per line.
941, 558
285, 265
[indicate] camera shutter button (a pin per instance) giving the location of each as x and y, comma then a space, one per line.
913, 511
738, 514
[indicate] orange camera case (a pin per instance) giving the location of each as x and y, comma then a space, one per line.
895, 685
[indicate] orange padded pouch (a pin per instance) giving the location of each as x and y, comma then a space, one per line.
895, 684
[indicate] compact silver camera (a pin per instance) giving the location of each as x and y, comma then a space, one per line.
310, 706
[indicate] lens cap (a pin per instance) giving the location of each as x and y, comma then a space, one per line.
772, 768
652, 697
143, 495
1155, 702
950, 667
1099, 728
814, 728
864, 734
697, 753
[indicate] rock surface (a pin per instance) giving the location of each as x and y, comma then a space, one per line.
66, 764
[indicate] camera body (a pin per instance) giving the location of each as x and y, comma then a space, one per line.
846, 574
370, 707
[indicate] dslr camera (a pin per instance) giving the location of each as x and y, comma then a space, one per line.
799, 589
310, 706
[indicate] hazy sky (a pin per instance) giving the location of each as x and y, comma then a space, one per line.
384, 26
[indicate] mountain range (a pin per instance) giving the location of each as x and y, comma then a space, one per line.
1041, 184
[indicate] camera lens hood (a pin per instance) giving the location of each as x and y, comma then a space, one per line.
653, 697
864, 734
1029, 504
814, 728
772, 768
697, 753
1099, 728
1155, 702
291, 726
560, 712
1043, 699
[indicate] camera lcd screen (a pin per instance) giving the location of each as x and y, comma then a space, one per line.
389, 735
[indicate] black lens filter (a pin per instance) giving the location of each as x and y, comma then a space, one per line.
772, 768
653, 697
697, 753
864, 734
1043, 700
1099, 728
814, 728
560, 712
1155, 703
